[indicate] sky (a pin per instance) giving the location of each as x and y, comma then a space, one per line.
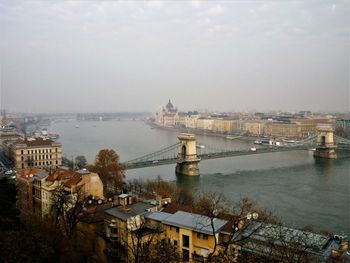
113, 56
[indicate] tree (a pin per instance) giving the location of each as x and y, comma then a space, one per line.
27, 238
9, 214
110, 170
66, 208
67, 162
145, 244
80, 161
210, 205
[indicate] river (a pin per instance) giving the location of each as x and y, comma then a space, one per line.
293, 185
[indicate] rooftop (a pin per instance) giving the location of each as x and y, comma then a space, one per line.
158, 216
35, 142
30, 174
198, 223
125, 212
314, 243
62, 174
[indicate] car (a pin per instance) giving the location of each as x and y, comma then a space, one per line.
253, 149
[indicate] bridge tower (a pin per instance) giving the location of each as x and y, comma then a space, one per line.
325, 143
188, 160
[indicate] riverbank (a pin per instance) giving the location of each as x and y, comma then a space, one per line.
201, 132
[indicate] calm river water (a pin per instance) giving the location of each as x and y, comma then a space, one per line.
292, 185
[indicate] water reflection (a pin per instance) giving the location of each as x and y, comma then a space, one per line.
325, 167
187, 182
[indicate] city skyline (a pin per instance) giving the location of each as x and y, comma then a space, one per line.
134, 56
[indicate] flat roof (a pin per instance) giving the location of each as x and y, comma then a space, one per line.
196, 222
264, 232
158, 216
125, 212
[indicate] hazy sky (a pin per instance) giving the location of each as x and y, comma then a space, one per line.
133, 56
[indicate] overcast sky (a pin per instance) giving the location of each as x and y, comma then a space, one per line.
78, 56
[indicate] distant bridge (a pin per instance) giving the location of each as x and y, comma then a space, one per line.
185, 152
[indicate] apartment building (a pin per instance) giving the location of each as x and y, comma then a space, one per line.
226, 126
78, 184
253, 127
29, 183
194, 235
191, 121
36, 152
205, 124
36, 187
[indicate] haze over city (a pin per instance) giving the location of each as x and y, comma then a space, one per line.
78, 56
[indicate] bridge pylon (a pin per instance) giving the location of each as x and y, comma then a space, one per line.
188, 160
325, 143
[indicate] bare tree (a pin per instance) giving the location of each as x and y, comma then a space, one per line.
110, 170
210, 205
145, 243
65, 209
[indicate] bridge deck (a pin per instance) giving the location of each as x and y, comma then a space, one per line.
207, 156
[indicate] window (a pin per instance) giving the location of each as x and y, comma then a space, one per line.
175, 243
21, 151
185, 241
173, 228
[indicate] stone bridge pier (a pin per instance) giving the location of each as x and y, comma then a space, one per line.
325, 143
188, 160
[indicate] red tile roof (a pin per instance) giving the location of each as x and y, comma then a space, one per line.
26, 173
73, 181
61, 174
35, 142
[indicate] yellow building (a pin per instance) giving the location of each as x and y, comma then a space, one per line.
192, 234
306, 127
282, 129
253, 127
36, 152
191, 121
226, 126
205, 124
126, 219
78, 184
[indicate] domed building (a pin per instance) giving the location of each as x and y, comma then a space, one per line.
167, 116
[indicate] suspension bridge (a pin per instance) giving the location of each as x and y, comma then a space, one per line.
187, 152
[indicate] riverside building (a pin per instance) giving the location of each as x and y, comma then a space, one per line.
35, 152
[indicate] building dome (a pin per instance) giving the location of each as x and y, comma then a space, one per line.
170, 106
